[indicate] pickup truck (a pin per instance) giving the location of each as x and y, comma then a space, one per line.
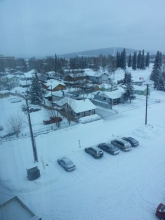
52, 120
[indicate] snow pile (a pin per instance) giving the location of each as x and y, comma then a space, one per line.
90, 118
149, 131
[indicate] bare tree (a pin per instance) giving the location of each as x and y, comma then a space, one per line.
52, 113
16, 123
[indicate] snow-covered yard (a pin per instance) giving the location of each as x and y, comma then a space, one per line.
128, 186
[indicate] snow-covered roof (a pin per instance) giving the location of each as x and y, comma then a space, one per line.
77, 105
138, 79
9, 76
4, 91
55, 93
105, 85
114, 94
29, 74
54, 83
90, 72
50, 73
139, 88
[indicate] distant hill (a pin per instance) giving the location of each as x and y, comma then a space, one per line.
104, 51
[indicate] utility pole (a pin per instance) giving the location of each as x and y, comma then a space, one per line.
146, 105
31, 134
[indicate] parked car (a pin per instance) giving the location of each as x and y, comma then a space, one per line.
160, 211
36, 109
132, 141
121, 144
31, 108
94, 152
109, 148
66, 163
52, 120
16, 100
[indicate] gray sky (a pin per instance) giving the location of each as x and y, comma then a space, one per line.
44, 27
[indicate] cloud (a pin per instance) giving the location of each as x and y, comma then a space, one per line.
40, 27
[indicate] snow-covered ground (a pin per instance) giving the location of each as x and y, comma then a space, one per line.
128, 186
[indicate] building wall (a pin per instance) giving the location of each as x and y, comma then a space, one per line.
59, 87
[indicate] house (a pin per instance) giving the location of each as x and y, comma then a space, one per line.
15, 209
77, 108
12, 81
108, 99
26, 78
96, 77
54, 85
138, 81
55, 96
141, 90
50, 74
76, 79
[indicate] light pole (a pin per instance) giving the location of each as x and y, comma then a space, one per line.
31, 130
146, 104
31, 133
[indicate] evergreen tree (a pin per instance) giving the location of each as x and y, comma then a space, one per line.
156, 68
36, 93
118, 59
55, 63
123, 59
142, 61
161, 86
147, 60
129, 90
139, 59
130, 61
134, 62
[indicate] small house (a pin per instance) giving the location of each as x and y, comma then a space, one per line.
108, 99
141, 90
96, 77
12, 81
77, 108
54, 85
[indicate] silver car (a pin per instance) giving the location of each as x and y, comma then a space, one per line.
66, 163
121, 144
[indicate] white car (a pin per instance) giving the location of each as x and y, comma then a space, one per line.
121, 144
66, 163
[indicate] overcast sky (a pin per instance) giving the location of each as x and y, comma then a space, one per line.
44, 27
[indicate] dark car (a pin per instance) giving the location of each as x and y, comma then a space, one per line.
109, 148
31, 108
160, 211
34, 109
52, 120
66, 163
132, 141
121, 144
94, 152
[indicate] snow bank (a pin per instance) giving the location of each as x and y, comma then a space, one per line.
90, 118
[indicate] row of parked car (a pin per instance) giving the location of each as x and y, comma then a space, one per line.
125, 144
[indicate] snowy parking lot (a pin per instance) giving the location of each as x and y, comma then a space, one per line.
128, 186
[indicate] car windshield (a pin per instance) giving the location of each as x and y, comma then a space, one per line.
162, 208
